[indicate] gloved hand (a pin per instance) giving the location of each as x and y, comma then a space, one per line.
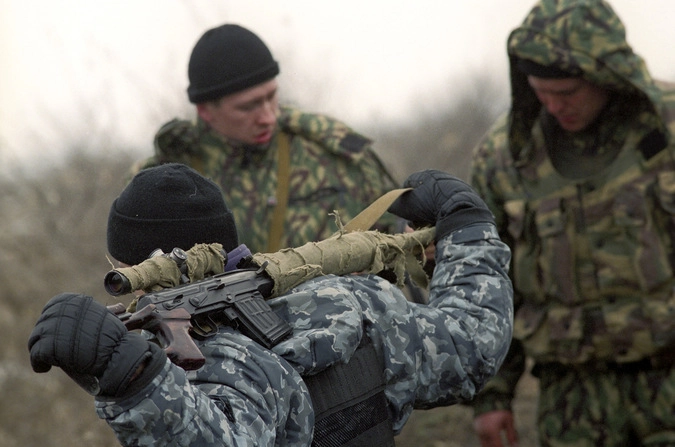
83, 338
442, 200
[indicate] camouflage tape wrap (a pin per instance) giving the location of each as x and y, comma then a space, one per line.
160, 272
153, 274
359, 251
355, 252
205, 260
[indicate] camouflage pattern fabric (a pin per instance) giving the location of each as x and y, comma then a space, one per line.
332, 168
618, 408
592, 267
436, 354
576, 36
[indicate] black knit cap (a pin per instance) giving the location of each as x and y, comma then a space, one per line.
226, 60
165, 207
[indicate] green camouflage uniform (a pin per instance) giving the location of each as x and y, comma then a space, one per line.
590, 219
331, 168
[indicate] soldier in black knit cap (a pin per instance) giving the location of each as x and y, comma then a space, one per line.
360, 356
283, 171
167, 207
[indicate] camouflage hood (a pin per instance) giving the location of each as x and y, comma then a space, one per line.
576, 36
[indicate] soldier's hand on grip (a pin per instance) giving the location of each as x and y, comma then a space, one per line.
442, 200
82, 337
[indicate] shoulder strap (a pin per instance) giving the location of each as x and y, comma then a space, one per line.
276, 229
367, 218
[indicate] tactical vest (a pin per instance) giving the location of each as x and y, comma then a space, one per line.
349, 402
592, 259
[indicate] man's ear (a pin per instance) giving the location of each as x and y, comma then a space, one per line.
204, 112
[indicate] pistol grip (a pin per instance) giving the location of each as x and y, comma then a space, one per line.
181, 349
172, 328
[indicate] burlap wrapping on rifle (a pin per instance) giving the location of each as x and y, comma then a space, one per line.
345, 253
341, 254
160, 272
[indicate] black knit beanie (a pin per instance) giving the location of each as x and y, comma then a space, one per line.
168, 206
226, 60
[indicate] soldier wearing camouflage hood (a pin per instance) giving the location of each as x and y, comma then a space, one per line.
580, 175
283, 171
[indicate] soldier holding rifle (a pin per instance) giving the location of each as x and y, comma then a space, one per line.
353, 335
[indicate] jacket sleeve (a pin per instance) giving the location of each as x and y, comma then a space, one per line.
488, 167
444, 352
499, 392
469, 317
244, 395
487, 170
433, 354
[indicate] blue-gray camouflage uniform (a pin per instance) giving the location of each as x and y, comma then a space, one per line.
436, 354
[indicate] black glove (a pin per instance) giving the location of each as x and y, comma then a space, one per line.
83, 338
442, 200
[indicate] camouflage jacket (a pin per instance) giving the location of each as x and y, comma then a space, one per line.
592, 267
435, 354
331, 168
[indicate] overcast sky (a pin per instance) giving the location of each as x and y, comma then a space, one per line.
73, 69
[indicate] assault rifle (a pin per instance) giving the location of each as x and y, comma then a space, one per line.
197, 309
185, 309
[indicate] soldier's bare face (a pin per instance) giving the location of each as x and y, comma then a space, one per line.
574, 102
248, 116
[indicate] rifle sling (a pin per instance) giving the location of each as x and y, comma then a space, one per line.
276, 229
367, 218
